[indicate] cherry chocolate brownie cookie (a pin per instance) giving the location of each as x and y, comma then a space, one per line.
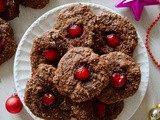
125, 77
48, 48
9, 9
36, 4
7, 43
96, 110
76, 23
42, 98
81, 74
114, 33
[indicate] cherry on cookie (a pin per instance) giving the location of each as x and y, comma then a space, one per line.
82, 73
112, 40
118, 80
48, 99
1, 45
100, 109
2, 6
75, 31
51, 55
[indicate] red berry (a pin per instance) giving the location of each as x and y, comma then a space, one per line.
48, 99
14, 104
112, 40
1, 46
51, 55
100, 109
75, 31
82, 73
118, 80
2, 6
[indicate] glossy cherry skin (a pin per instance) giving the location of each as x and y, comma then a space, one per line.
48, 99
75, 31
51, 55
112, 40
82, 73
118, 80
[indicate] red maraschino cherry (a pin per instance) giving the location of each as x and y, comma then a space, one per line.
48, 99
100, 109
51, 55
1, 46
112, 40
2, 6
75, 31
118, 80
82, 73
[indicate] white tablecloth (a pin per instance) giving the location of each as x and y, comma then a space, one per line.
28, 16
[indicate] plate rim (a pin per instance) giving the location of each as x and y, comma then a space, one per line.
45, 15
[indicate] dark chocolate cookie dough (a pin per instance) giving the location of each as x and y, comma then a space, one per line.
76, 23
36, 4
9, 9
48, 48
42, 98
114, 33
81, 74
7, 43
125, 77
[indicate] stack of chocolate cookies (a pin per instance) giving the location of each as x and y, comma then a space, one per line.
9, 9
83, 68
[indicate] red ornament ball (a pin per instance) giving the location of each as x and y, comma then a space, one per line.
51, 55
48, 99
118, 80
112, 40
82, 73
14, 104
75, 31
2, 6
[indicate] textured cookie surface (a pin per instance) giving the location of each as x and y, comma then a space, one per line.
88, 110
37, 87
11, 9
108, 24
68, 84
7, 43
49, 40
80, 15
36, 4
84, 111
124, 65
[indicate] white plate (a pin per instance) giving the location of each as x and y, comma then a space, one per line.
22, 67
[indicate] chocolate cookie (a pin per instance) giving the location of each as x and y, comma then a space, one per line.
113, 110
84, 111
9, 9
125, 77
114, 33
7, 43
36, 4
42, 98
48, 48
76, 23
81, 74
95, 110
